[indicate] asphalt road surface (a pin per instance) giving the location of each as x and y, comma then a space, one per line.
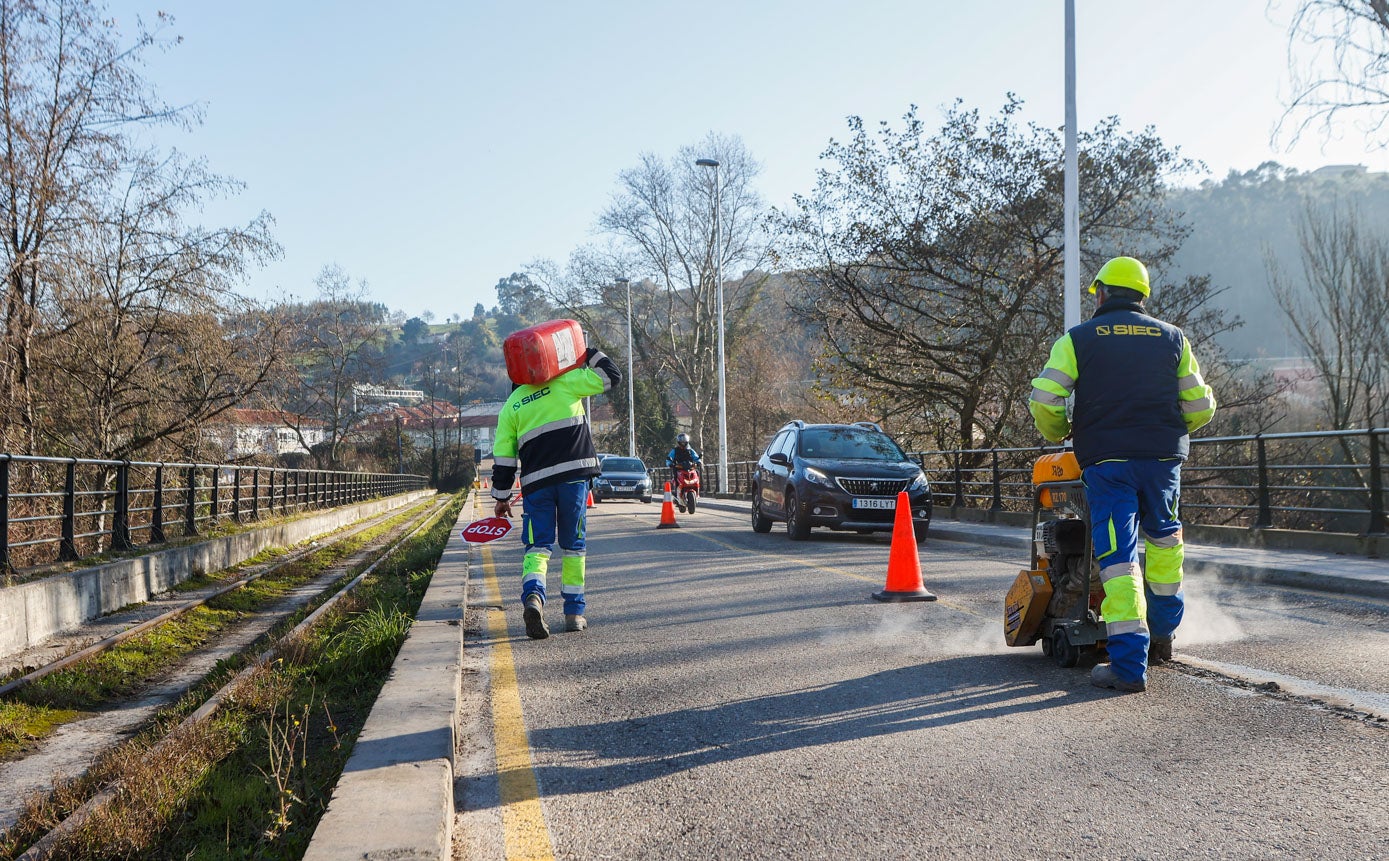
741, 696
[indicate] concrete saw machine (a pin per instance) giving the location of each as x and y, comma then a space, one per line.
1057, 600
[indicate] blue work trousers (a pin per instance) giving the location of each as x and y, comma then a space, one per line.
1129, 499
557, 513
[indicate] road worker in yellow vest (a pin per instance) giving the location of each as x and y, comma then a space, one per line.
1138, 395
542, 431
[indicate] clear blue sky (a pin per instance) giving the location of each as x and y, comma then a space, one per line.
431, 148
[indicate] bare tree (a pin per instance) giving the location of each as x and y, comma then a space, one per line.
334, 350
144, 338
1338, 60
69, 93
662, 226
933, 263
1340, 311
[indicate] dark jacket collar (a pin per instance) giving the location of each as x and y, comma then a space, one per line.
1112, 305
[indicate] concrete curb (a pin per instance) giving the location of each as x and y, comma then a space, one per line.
395, 797
1316, 581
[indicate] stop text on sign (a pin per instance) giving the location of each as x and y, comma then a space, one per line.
487, 529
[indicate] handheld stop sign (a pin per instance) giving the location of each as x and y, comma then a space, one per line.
486, 529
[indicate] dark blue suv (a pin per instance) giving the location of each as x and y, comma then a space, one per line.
839, 476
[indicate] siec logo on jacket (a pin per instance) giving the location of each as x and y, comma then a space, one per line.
1125, 329
531, 397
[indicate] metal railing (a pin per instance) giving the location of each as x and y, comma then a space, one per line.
61, 509
1332, 481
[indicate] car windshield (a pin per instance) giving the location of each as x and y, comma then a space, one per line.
849, 443
623, 464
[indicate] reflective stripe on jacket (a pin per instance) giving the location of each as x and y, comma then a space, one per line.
541, 429
1138, 388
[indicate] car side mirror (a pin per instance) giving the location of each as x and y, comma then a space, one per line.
779, 458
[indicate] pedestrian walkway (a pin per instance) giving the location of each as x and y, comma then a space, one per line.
1299, 569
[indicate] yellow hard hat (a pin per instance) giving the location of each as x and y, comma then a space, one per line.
1123, 272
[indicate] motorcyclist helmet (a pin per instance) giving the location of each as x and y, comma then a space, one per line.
682, 440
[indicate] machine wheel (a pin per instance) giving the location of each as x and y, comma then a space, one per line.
1065, 654
797, 525
760, 522
689, 502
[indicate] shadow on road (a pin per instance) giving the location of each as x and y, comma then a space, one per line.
926, 696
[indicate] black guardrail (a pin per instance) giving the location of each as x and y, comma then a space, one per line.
1332, 481
60, 509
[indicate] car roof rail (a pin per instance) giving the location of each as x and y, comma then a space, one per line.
795, 423
869, 425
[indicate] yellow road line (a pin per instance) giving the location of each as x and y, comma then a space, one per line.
523, 819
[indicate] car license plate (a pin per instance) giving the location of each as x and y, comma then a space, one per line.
624, 486
875, 503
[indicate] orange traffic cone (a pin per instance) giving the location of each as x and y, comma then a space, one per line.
590, 499
903, 564
668, 512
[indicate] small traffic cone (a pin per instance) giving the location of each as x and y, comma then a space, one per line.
903, 563
668, 512
590, 499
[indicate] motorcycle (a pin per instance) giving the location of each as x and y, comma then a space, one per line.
686, 487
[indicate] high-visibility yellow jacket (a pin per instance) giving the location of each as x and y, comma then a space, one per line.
1138, 388
542, 429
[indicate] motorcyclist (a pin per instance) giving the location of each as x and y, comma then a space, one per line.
683, 456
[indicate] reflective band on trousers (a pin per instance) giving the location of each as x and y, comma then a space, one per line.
1123, 594
1173, 540
1122, 569
572, 574
534, 565
1128, 626
1165, 558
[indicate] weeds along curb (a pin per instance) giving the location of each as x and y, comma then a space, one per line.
53, 841
116, 639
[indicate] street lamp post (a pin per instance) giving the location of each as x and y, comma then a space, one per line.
631, 409
718, 277
1071, 185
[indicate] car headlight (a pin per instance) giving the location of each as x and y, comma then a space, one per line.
815, 476
919, 483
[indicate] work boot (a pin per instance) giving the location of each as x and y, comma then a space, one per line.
1102, 676
1159, 651
536, 628
574, 622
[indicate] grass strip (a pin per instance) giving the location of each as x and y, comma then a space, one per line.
254, 782
129, 667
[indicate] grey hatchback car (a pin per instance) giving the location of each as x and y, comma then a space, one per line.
622, 478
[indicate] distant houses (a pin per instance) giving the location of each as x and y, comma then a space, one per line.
436, 422
243, 433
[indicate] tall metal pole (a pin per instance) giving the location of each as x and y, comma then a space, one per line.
631, 404
1071, 204
718, 277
